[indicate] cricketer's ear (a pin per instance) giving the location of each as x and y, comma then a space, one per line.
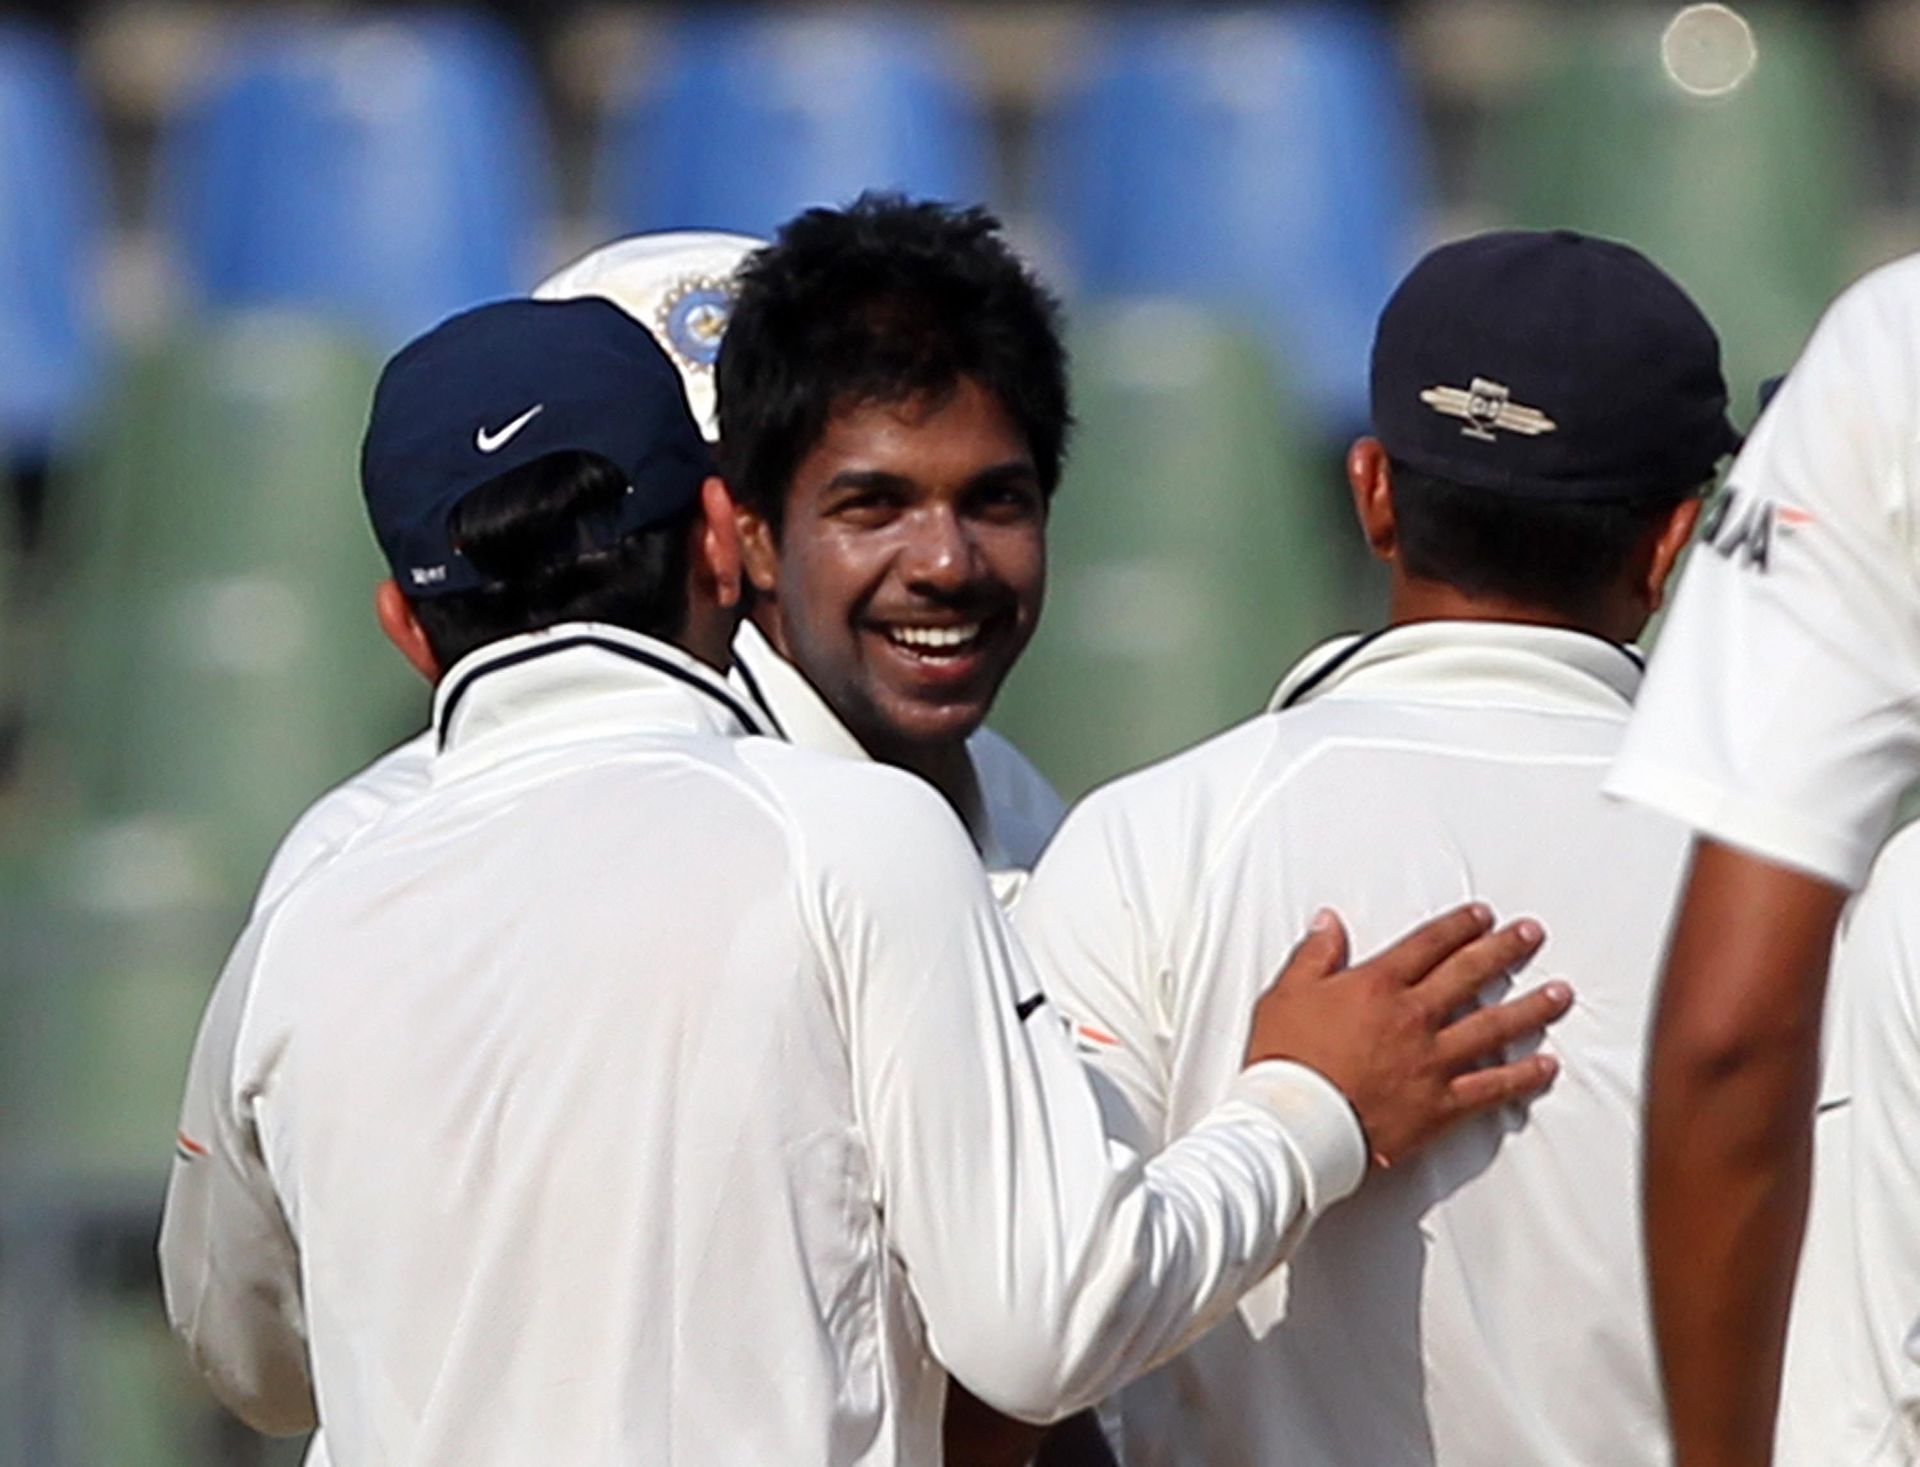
1370, 477
402, 628
760, 552
717, 561
1668, 542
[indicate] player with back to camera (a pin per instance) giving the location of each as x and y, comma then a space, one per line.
1782, 722
499, 1114
1546, 410
677, 283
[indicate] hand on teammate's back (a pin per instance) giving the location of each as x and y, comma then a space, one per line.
1395, 1033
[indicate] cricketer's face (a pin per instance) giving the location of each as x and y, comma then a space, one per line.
910, 566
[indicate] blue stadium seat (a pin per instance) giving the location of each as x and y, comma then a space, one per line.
751, 117
1265, 161
385, 171
51, 206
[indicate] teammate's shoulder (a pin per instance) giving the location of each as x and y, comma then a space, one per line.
397, 774
354, 805
830, 790
1871, 326
1895, 284
1201, 783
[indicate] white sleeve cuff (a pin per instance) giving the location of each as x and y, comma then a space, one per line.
1319, 1125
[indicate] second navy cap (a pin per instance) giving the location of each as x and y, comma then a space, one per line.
1549, 364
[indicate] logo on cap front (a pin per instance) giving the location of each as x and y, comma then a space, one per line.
1487, 406
694, 316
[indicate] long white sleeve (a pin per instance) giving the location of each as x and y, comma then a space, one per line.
1050, 1264
228, 1264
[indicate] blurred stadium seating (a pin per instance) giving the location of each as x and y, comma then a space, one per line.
1263, 159
52, 217
214, 218
747, 117
1748, 197
1196, 531
385, 170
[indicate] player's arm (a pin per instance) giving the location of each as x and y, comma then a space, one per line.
228, 1264
1731, 1083
1051, 1268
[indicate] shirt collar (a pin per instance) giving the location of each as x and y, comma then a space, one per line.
1481, 662
574, 680
791, 703
794, 707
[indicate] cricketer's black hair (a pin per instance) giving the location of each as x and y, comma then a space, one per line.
883, 301
1560, 556
531, 532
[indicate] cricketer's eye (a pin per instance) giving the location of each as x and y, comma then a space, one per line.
866, 507
1006, 500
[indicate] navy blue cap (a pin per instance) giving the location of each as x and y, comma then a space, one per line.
1550, 365
505, 384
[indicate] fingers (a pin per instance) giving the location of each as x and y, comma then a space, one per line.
1456, 980
1421, 950
1323, 951
1482, 1034
1479, 1090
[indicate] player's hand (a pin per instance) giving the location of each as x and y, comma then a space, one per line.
1396, 1035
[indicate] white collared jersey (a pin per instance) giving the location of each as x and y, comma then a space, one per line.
1019, 810
1485, 1301
1019, 813
1782, 712
639, 1092
1850, 1392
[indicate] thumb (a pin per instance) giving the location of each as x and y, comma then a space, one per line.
1322, 952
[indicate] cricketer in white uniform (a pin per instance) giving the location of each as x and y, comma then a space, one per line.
640, 1091
1548, 408
680, 285
1782, 718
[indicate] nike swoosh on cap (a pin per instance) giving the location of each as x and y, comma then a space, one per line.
493, 442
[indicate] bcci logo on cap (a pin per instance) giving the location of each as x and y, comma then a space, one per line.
1487, 407
693, 318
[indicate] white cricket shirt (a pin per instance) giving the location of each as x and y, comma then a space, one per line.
1019, 809
638, 1092
1782, 714
1485, 1301
1850, 1393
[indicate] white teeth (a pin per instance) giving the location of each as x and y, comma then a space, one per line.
934, 639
